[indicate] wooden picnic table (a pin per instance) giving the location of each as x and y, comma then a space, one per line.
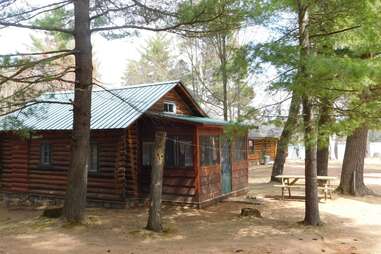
291, 181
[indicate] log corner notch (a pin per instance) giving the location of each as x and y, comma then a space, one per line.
154, 214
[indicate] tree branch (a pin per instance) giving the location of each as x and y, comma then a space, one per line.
335, 32
31, 103
34, 27
39, 53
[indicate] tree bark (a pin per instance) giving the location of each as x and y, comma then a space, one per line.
224, 77
75, 198
285, 137
312, 216
352, 173
154, 214
323, 140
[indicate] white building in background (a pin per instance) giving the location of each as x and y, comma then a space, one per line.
296, 152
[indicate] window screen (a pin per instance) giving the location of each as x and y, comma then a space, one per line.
170, 152
240, 149
210, 152
46, 154
93, 158
179, 152
147, 153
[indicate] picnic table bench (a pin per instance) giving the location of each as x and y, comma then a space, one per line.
291, 182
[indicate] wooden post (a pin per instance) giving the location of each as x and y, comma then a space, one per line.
154, 214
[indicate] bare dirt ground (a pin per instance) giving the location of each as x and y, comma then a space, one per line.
351, 225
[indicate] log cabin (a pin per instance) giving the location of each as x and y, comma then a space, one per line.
201, 165
263, 141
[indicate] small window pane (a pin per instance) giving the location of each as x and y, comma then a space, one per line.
169, 107
147, 150
240, 148
210, 152
170, 155
46, 154
185, 153
251, 146
93, 158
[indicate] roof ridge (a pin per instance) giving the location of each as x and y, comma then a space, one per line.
120, 88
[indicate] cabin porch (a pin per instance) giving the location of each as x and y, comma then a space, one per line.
201, 166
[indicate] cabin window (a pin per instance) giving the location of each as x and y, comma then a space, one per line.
251, 146
93, 158
240, 149
185, 153
147, 153
46, 154
170, 107
170, 153
178, 152
210, 150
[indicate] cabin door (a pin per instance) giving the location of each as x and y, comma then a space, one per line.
226, 168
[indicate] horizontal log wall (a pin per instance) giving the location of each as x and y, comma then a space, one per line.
263, 146
108, 184
14, 165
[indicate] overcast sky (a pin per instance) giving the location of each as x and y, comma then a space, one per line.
112, 56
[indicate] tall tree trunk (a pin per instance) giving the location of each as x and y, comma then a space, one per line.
323, 140
224, 76
284, 140
352, 173
154, 215
75, 198
312, 216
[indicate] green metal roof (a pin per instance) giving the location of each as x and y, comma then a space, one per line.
112, 109
196, 119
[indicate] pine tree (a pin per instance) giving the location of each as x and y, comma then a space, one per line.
84, 18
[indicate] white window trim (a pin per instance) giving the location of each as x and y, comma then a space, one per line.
174, 107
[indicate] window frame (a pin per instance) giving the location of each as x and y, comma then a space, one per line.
150, 160
43, 145
241, 150
90, 159
218, 146
177, 139
251, 149
169, 103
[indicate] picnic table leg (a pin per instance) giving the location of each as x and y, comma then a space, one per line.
289, 192
282, 193
330, 191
